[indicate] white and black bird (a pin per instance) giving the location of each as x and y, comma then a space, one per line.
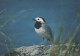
43, 29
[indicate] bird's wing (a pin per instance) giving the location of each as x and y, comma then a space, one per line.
48, 29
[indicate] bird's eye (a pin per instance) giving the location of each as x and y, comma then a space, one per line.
38, 19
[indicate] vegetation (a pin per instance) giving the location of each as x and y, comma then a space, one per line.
68, 50
2, 26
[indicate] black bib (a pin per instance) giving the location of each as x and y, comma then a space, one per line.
37, 25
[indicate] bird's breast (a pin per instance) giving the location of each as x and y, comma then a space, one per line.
40, 31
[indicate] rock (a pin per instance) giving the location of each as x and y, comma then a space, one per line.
41, 50
36, 52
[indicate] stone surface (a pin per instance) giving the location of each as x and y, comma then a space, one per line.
41, 50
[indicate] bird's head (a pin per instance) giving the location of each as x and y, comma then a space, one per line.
39, 19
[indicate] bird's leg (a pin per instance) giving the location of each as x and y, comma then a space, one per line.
48, 40
42, 41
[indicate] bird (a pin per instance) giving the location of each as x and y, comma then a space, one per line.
43, 29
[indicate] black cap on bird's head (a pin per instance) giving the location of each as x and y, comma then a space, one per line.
39, 19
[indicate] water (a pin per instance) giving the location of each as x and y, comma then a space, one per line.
21, 29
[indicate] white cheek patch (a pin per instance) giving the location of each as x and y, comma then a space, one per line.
40, 20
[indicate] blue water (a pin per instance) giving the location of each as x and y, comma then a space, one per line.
21, 29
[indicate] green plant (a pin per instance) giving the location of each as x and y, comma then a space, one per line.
70, 48
2, 26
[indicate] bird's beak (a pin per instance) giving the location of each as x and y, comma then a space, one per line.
34, 19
